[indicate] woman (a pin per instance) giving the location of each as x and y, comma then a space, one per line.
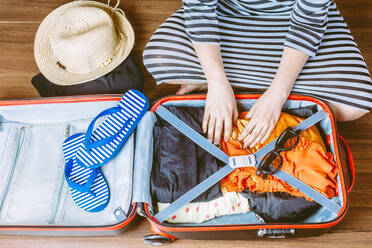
280, 46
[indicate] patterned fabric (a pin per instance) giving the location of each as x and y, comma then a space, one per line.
119, 124
84, 153
252, 34
306, 27
97, 195
198, 212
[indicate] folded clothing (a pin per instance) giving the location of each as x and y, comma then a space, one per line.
178, 163
308, 161
272, 199
124, 77
280, 206
198, 212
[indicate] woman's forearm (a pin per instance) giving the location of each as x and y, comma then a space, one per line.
265, 112
290, 67
220, 106
210, 58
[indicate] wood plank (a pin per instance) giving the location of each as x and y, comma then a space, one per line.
17, 60
139, 11
361, 195
353, 231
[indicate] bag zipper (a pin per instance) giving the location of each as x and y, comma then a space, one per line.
12, 170
61, 185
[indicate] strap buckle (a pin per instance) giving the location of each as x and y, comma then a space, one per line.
242, 161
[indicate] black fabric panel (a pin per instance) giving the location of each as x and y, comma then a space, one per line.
179, 164
280, 206
124, 77
303, 112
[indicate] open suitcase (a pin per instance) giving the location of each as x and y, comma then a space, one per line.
35, 200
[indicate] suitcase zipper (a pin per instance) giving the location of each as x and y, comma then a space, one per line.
61, 185
14, 165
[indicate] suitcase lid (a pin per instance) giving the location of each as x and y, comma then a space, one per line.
122, 220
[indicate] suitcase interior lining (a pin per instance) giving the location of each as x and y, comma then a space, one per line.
33, 190
320, 216
38, 193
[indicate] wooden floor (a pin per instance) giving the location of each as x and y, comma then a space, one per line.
19, 21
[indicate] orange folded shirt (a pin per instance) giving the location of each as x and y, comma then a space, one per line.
308, 161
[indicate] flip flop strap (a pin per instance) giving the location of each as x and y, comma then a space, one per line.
88, 136
80, 187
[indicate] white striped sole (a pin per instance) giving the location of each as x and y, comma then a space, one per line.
133, 107
80, 175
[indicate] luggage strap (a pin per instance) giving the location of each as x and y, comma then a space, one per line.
227, 169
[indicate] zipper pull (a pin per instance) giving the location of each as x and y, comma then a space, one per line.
119, 214
67, 131
2, 119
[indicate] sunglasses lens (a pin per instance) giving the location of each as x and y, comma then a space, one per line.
276, 162
271, 162
290, 143
288, 140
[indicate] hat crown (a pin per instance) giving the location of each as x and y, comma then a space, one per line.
81, 41
84, 40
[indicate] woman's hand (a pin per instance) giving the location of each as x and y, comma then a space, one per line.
264, 116
265, 113
220, 111
220, 107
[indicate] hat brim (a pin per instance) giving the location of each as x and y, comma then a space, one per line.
46, 61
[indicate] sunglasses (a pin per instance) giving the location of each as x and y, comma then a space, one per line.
273, 161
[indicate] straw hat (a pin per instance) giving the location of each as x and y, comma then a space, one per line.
81, 41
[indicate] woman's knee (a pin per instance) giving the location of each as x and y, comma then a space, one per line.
154, 58
346, 113
159, 46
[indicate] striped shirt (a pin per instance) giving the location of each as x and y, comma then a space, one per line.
251, 35
308, 19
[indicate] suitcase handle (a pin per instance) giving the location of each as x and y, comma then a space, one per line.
350, 161
275, 233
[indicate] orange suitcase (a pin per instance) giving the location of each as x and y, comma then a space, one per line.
33, 203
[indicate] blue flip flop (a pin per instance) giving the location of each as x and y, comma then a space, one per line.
88, 187
93, 194
85, 153
105, 142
